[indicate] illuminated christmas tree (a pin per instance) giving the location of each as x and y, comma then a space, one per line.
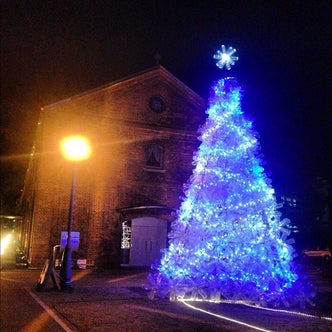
228, 240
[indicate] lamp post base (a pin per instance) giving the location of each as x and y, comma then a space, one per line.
66, 270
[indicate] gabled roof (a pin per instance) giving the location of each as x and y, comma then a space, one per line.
135, 78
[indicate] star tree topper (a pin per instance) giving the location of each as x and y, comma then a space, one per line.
226, 57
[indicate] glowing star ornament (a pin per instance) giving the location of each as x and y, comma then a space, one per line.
226, 57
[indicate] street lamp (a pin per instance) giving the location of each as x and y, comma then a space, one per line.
74, 149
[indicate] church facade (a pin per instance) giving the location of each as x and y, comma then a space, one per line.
143, 134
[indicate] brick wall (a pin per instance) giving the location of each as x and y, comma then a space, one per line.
120, 125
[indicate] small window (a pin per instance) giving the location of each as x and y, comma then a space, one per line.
157, 104
154, 157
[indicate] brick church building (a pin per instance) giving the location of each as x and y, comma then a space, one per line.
143, 133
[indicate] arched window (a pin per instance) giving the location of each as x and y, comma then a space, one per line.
154, 157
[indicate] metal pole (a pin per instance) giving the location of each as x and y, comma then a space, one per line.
66, 266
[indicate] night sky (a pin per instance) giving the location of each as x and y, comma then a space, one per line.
51, 50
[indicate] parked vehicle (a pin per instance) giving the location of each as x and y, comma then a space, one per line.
322, 253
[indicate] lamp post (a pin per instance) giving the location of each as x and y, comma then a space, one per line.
74, 149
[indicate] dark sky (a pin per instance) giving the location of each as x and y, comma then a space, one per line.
51, 50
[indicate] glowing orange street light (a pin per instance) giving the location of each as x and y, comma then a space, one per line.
74, 148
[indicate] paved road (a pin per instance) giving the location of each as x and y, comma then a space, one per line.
116, 301
19, 310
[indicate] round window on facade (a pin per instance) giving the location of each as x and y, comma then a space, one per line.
157, 104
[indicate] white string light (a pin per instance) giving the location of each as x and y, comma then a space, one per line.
225, 318
248, 304
229, 240
225, 57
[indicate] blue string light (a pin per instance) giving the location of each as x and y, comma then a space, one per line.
228, 239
